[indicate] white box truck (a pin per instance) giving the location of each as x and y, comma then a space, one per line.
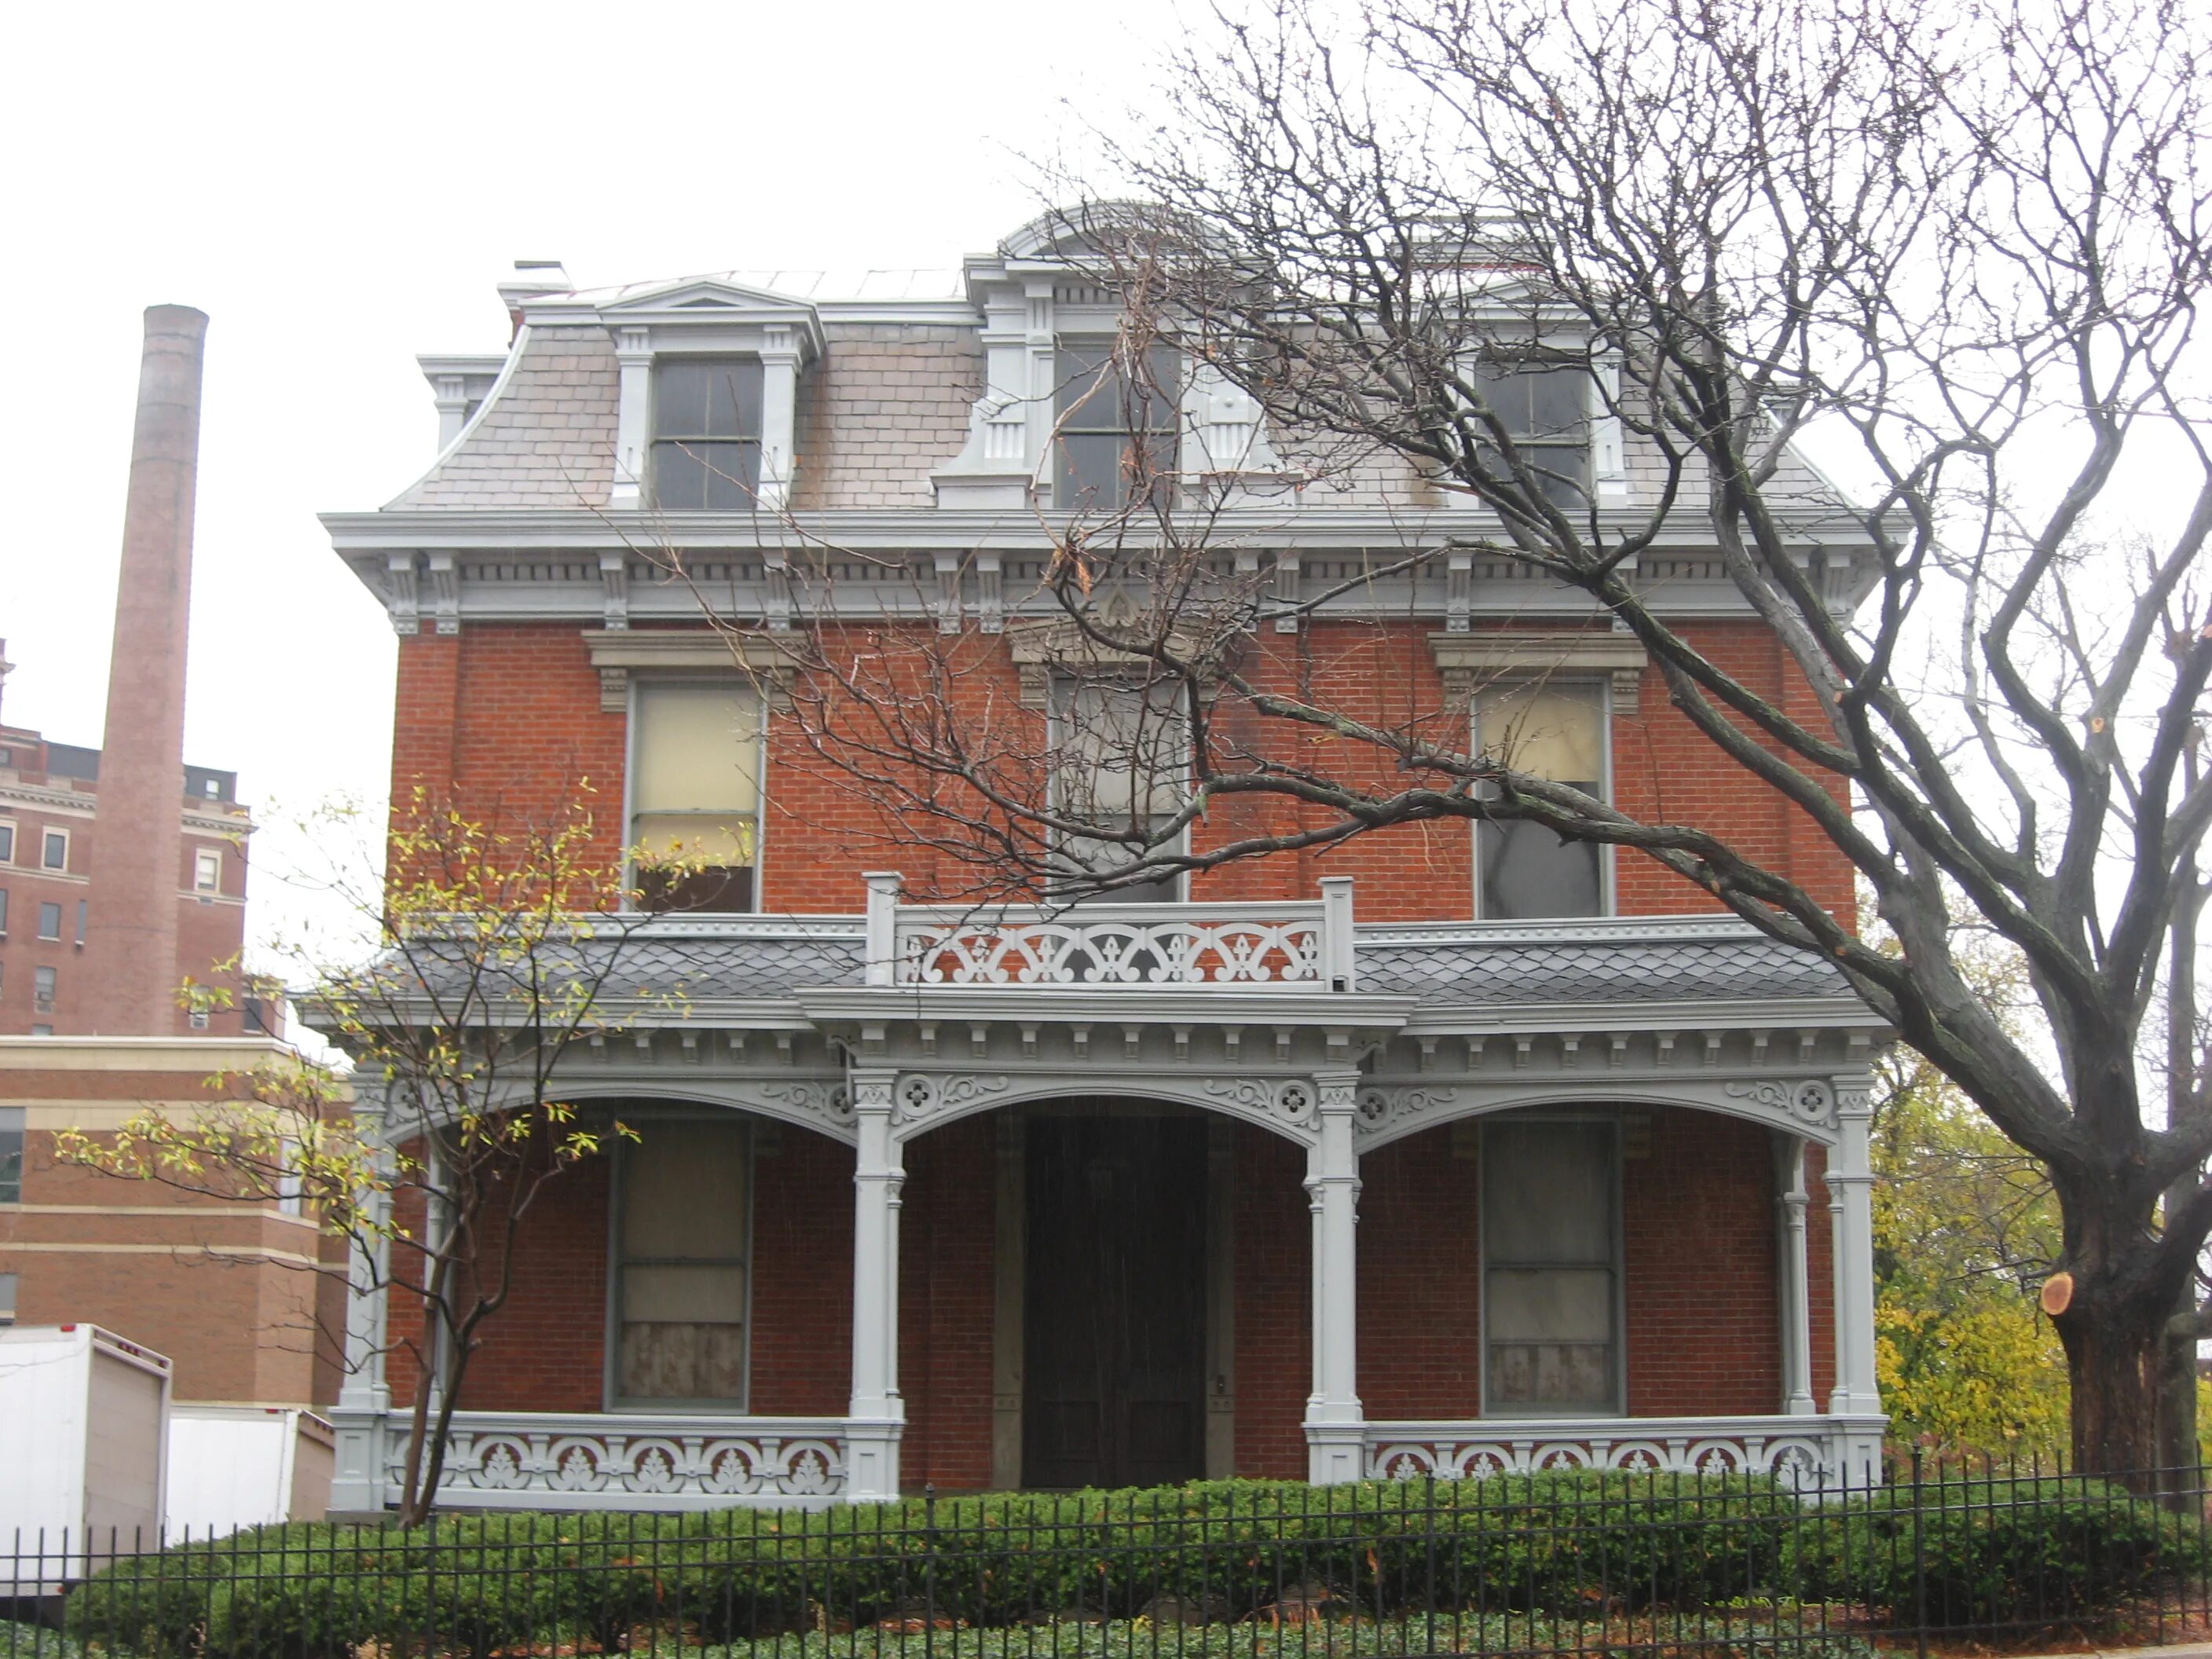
83, 1437
246, 1465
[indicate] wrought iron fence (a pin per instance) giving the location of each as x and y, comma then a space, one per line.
1539, 1565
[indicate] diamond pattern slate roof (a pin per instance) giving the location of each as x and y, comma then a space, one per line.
1749, 967
1447, 966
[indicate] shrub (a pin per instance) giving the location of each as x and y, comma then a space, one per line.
1986, 1551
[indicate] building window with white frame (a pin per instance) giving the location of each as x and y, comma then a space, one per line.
694, 768
1554, 730
54, 850
1121, 762
1551, 1297
682, 1237
1545, 409
207, 871
7, 843
707, 433
1116, 430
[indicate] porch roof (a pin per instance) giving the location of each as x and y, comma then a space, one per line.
699, 965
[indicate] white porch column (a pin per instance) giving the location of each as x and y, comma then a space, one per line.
1336, 1421
364, 1404
875, 1419
1851, 1184
1797, 1283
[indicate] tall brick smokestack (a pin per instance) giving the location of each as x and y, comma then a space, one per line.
138, 848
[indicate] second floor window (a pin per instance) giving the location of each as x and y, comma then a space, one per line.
1554, 731
1117, 429
1122, 762
694, 796
706, 432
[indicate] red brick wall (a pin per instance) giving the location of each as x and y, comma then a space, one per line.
1420, 1282
948, 1230
1699, 1242
802, 1293
507, 717
1275, 1291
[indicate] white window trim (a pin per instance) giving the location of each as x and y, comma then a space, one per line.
785, 336
9, 828
631, 685
207, 860
44, 835
1607, 897
1619, 1405
610, 1345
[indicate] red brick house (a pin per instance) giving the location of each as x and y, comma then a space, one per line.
927, 1196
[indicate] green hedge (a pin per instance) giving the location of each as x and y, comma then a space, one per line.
1567, 1546
1976, 1554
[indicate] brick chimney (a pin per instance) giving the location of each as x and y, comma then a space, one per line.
138, 845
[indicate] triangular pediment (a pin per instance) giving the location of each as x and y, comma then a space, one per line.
708, 294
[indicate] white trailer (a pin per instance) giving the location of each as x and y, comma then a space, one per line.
246, 1465
83, 1427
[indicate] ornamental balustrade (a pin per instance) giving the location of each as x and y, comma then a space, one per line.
1801, 1450
622, 1461
1296, 945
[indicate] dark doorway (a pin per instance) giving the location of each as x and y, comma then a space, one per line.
1114, 1301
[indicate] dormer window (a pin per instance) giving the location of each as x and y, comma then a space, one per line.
707, 433
1545, 409
1116, 430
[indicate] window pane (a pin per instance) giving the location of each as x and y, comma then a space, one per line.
50, 921
1094, 395
731, 473
56, 850
679, 397
1529, 874
1547, 1192
696, 749
1552, 731
1124, 750
1556, 408
7, 844
684, 1191
11, 1154
683, 1361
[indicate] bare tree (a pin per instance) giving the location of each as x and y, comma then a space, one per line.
1956, 252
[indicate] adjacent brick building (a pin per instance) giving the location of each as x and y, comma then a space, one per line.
928, 1196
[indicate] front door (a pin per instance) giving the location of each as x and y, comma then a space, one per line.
1115, 1316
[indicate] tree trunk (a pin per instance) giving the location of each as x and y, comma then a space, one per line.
2113, 1355
2178, 1455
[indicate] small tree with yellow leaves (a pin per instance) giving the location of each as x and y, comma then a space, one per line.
497, 948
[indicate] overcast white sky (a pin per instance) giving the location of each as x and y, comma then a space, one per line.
339, 188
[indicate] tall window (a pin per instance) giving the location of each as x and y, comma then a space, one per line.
1123, 763
1117, 430
54, 853
50, 920
1550, 1291
11, 1154
682, 1233
207, 871
1553, 731
44, 981
695, 795
706, 431
1546, 411
7, 844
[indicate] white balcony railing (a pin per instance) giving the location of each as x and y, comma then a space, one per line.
619, 1460
1803, 1451
1298, 946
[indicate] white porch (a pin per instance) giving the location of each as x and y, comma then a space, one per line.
1286, 1016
